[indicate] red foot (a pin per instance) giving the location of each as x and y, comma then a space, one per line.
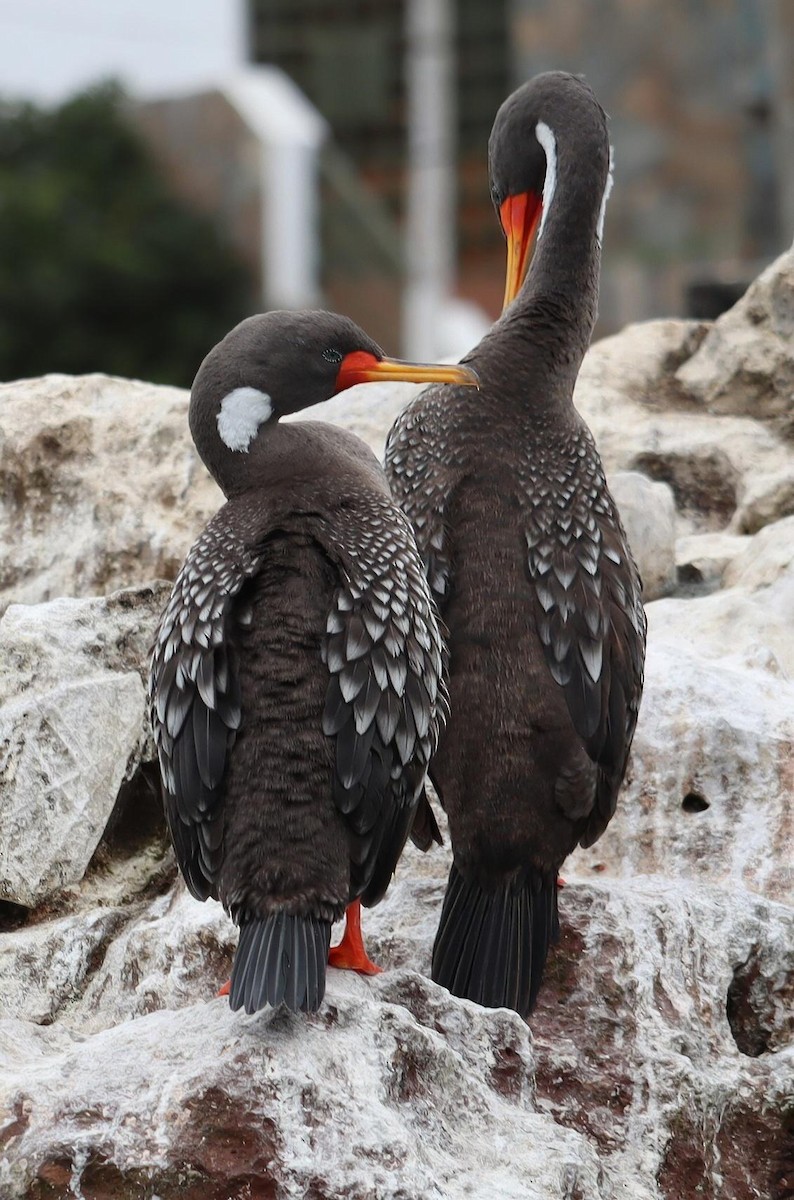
350, 953
561, 883
227, 987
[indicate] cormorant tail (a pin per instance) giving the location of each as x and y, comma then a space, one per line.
491, 946
280, 959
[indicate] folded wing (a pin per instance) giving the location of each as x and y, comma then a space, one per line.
387, 695
194, 697
590, 619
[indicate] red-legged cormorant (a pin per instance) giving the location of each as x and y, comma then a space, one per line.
296, 681
528, 561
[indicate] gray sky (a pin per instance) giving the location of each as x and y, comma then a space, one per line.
51, 48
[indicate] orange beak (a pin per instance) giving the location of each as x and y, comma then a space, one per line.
519, 216
361, 367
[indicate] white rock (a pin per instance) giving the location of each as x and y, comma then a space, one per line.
753, 630
764, 572
657, 999
705, 460
101, 487
765, 559
391, 1091
630, 394
44, 967
745, 365
708, 791
701, 558
72, 727
647, 510
640, 362
766, 498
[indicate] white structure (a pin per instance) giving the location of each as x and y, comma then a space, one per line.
245, 150
291, 133
430, 216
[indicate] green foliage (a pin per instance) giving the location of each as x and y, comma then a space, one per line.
101, 269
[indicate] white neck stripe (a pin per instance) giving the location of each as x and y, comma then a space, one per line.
549, 144
241, 413
605, 197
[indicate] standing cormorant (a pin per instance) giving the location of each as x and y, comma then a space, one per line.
527, 558
296, 681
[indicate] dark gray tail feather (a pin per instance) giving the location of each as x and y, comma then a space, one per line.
280, 959
425, 830
491, 946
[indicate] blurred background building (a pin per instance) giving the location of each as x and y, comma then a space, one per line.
339, 146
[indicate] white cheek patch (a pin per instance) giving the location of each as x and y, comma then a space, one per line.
549, 144
605, 197
241, 414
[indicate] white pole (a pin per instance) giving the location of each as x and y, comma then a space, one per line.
430, 217
290, 225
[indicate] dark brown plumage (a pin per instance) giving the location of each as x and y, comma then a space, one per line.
296, 682
528, 560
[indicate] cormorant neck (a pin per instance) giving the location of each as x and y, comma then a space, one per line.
564, 271
303, 459
539, 341
529, 360
272, 455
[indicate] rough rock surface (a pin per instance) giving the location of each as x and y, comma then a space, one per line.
704, 408
766, 498
733, 623
708, 793
701, 558
73, 728
766, 559
659, 1064
100, 487
643, 420
745, 364
647, 510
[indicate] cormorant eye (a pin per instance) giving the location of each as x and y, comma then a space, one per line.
333, 356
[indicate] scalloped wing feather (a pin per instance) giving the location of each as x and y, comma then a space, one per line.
195, 698
387, 696
420, 466
590, 619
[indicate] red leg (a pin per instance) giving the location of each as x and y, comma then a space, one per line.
227, 987
561, 883
350, 952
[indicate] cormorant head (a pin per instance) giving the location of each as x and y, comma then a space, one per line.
278, 363
549, 135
